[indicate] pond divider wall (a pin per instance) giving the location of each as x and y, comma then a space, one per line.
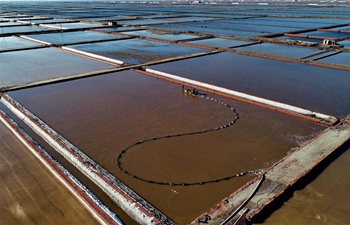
209, 47
335, 31
274, 105
316, 54
14, 25
23, 48
72, 43
133, 204
294, 60
279, 177
62, 79
94, 41
35, 40
95, 56
188, 44
176, 58
325, 56
93, 204
60, 27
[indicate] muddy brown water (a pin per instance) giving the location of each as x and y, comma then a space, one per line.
323, 201
75, 172
104, 114
30, 193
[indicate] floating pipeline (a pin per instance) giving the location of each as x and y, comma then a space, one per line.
133, 204
192, 93
240, 96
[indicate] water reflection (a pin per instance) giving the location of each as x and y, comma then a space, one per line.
324, 201
103, 115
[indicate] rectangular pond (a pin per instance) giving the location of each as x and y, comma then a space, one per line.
21, 29
230, 24
62, 38
7, 43
29, 189
346, 43
207, 30
301, 39
105, 19
275, 23
21, 67
319, 22
225, 24
139, 22
10, 24
342, 28
326, 89
341, 58
137, 51
171, 36
193, 18
43, 21
280, 50
74, 25
220, 42
116, 29
322, 34
103, 115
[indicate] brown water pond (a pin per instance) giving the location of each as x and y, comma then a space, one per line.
30, 193
105, 114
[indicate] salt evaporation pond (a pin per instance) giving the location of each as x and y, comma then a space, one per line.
280, 50
324, 201
7, 24
136, 51
326, 34
318, 22
273, 23
20, 67
346, 43
43, 21
116, 29
225, 25
71, 37
8, 43
75, 172
161, 35
315, 88
220, 42
341, 58
301, 39
30, 193
74, 25
105, 19
143, 22
345, 28
207, 30
194, 18
21, 29
128, 107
